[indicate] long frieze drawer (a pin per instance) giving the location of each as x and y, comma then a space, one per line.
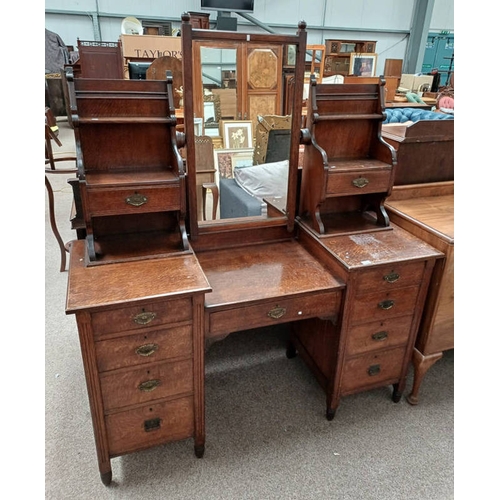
378, 335
357, 182
389, 277
273, 312
144, 348
136, 200
138, 317
370, 369
380, 306
150, 425
154, 381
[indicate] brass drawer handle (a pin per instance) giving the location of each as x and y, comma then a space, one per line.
360, 182
144, 317
373, 370
149, 385
136, 200
380, 336
386, 304
146, 349
277, 312
152, 424
391, 277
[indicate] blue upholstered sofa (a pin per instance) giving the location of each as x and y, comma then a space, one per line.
235, 202
243, 195
401, 115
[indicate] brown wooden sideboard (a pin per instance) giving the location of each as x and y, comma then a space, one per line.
427, 211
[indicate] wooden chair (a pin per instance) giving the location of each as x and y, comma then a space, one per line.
51, 134
205, 172
315, 62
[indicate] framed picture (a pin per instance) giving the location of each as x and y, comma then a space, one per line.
237, 134
290, 55
363, 64
226, 160
198, 126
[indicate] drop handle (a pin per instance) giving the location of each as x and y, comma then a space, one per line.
144, 317
152, 424
360, 182
391, 277
373, 370
146, 350
277, 312
379, 336
149, 385
386, 304
136, 200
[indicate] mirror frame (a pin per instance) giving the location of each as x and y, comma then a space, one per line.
191, 36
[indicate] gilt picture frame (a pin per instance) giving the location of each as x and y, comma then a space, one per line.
237, 134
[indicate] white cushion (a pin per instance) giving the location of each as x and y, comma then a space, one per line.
269, 180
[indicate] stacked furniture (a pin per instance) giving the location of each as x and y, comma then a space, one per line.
338, 54
386, 269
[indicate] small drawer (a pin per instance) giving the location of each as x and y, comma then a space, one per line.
378, 335
357, 182
150, 425
381, 306
144, 316
155, 381
389, 277
144, 348
273, 312
372, 369
133, 200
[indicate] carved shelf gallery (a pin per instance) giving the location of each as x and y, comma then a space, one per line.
131, 175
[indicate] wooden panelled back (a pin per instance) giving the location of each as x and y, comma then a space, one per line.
344, 117
100, 59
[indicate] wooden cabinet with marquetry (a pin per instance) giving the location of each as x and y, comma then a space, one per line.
338, 54
131, 174
140, 325
252, 71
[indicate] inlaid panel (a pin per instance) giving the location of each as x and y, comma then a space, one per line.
263, 66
